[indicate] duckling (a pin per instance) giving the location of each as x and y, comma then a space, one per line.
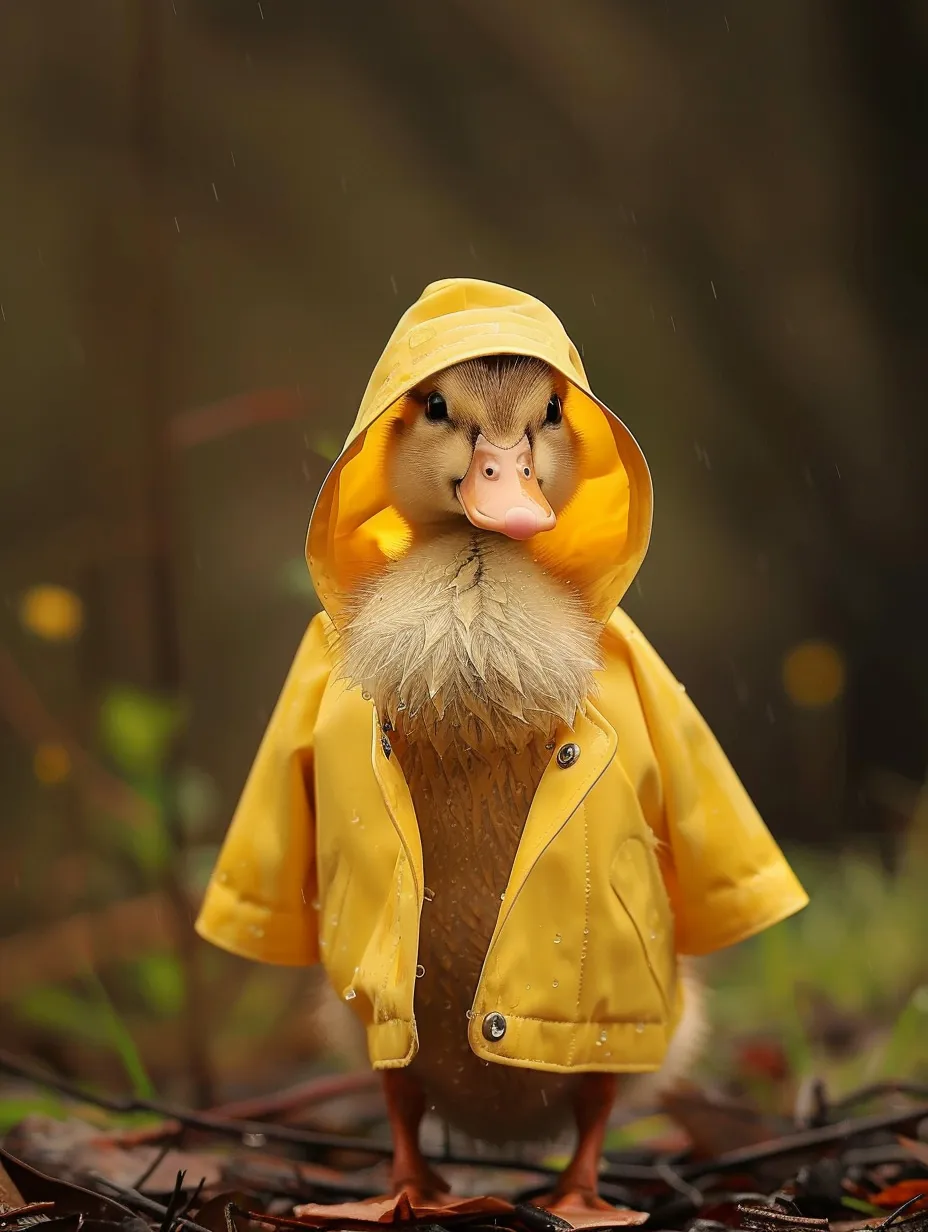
512, 733
472, 655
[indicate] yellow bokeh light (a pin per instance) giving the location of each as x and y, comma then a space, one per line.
51, 763
813, 674
52, 612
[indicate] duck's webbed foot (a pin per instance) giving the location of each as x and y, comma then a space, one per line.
578, 1185
411, 1173
561, 1202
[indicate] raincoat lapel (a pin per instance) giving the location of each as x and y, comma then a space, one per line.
560, 793
396, 797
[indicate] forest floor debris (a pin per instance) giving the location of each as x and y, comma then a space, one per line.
129, 1165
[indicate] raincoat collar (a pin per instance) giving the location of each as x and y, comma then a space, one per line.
601, 537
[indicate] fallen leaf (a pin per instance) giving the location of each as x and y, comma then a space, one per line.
9, 1194
73, 1149
26, 1211
396, 1210
903, 1191
69, 1199
764, 1059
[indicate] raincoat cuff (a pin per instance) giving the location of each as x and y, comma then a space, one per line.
253, 930
391, 1044
734, 913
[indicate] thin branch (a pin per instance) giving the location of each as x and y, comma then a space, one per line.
206, 1122
158, 1158
219, 419
148, 1205
790, 1144
900, 1210
676, 1182
916, 1090
302, 1095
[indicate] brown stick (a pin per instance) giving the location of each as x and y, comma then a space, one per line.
303, 1095
219, 419
194, 1120
790, 1144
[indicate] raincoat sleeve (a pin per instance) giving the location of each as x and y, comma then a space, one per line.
259, 901
725, 875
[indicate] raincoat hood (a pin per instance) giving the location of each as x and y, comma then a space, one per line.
602, 535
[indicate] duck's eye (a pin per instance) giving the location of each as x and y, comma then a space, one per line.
553, 414
436, 407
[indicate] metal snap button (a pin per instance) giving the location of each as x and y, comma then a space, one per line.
567, 755
494, 1028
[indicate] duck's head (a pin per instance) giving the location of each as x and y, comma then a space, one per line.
485, 440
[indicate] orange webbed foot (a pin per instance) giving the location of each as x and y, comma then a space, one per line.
585, 1208
577, 1199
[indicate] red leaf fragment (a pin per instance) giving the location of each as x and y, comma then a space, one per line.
901, 1192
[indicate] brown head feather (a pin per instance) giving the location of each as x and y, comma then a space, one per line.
505, 398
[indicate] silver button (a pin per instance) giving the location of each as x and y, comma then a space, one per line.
568, 755
494, 1028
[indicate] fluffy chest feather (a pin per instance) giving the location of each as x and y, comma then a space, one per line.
466, 642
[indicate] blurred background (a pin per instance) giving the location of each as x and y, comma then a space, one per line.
212, 214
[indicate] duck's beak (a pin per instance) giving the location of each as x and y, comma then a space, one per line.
500, 491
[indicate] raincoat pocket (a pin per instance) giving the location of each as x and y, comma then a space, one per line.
636, 881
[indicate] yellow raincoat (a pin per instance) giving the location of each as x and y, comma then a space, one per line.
646, 847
